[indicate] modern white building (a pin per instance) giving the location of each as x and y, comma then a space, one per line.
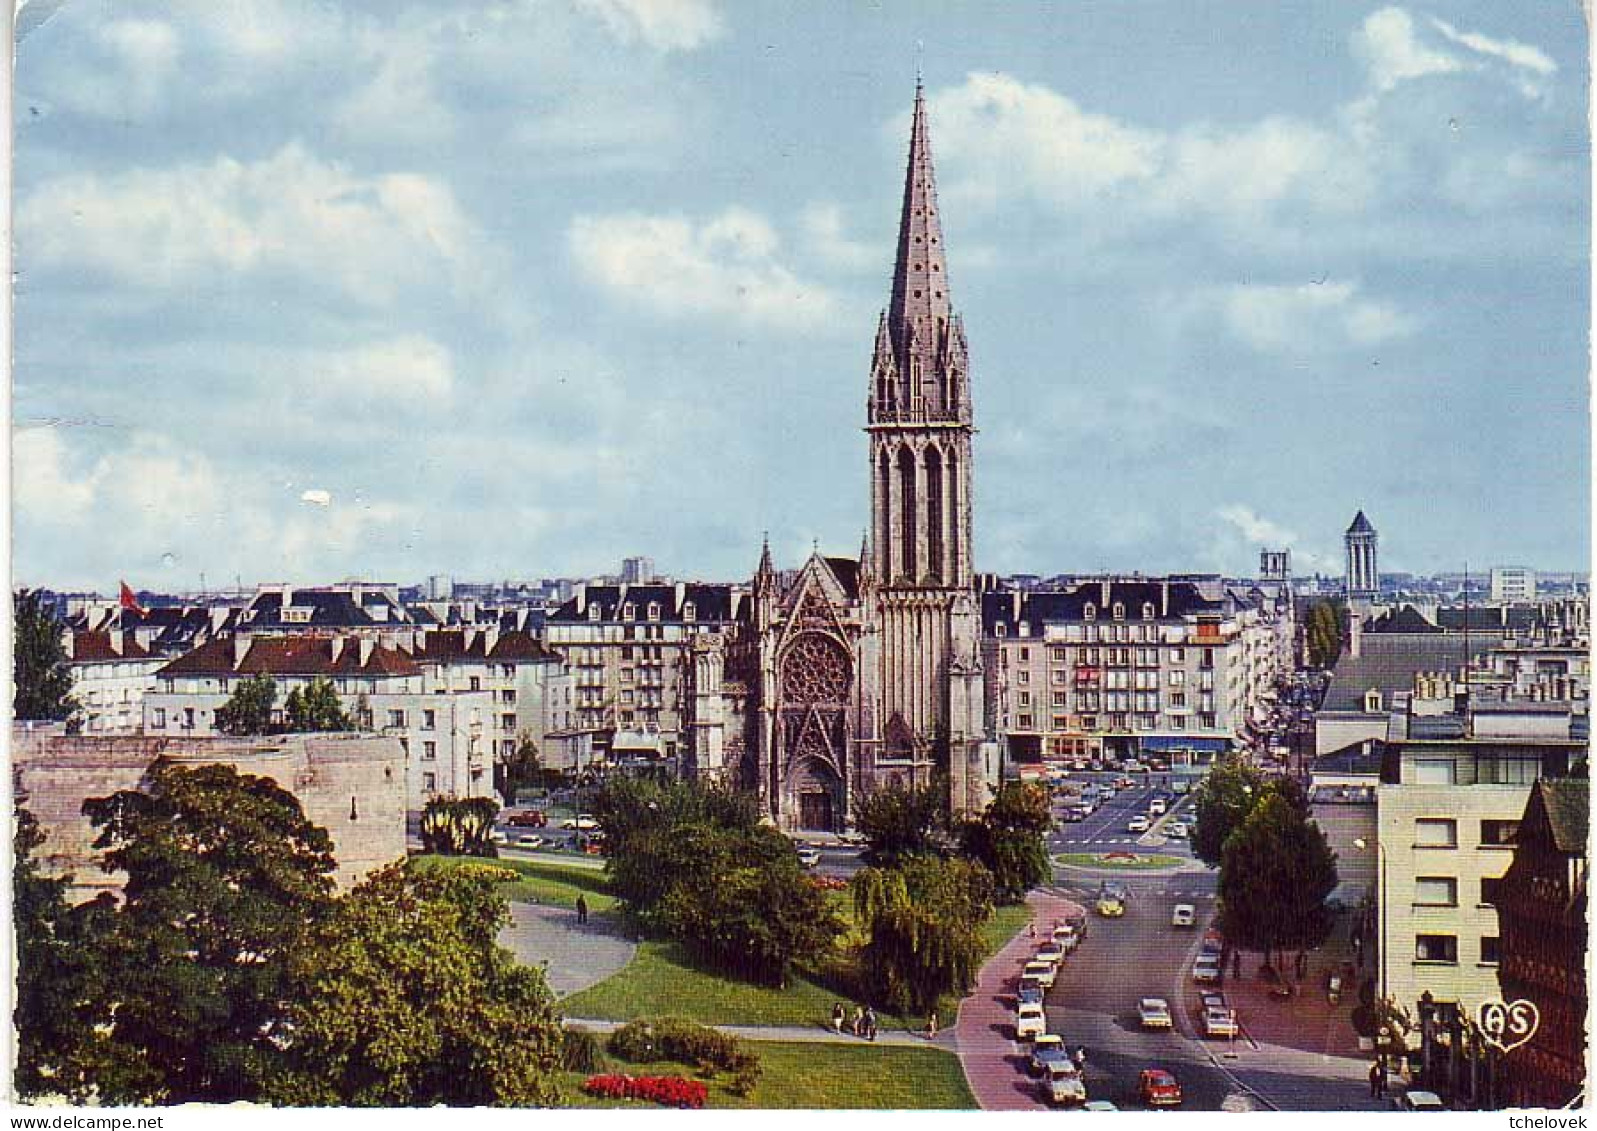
1513, 584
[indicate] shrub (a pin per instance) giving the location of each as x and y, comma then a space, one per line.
683, 1042
579, 1050
497, 873
672, 1091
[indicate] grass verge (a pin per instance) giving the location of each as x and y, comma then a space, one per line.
1140, 863
557, 885
799, 1075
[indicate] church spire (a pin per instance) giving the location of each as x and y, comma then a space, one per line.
920, 304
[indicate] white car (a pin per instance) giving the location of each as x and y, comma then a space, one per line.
1030, 1022
1157, 807
1154, 1013
1219, 1022
1184, 915
809, 857
1207, 968
1419, 1101
1051, 953
1066, 938
1046, 1051
530, 840
1099, 1105
581, 822
1138, 824
1043, 972
1175, 830
1062, 1085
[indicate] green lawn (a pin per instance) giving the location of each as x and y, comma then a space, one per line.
1143, 862
661, 981
797, 1075
541, 882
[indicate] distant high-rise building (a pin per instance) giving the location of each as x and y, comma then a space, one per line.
1363, 581
1275, 565
1513, 584
637, 571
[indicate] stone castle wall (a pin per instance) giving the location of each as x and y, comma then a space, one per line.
352, 785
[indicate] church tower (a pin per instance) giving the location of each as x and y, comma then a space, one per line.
919, 422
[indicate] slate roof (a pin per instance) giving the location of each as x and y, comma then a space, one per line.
94, 647
1361, 525
1064, 606
1406, 619
330, 608
1362, 757
1390, 661
291, 655
846, 570
1489, 618
1567, 802
710, 603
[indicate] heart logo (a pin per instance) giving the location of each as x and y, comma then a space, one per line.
1508, 1025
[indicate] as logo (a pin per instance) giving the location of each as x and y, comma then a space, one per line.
1509, 1024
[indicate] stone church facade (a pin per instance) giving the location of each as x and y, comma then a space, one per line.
852, 674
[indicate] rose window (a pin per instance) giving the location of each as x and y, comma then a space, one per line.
815, 669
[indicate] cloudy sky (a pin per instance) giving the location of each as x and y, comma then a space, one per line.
311, 290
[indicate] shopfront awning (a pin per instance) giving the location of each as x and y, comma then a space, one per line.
1155, 742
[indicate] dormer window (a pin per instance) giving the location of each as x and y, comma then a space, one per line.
1119, 611
1000, 629
1089, 611
595, 612
1147, 610
654, 610
689, 612
1025, 628
297, 614
629, 611
1372, 701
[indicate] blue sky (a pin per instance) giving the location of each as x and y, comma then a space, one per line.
514, 289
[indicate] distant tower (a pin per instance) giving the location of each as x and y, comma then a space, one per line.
1275, 565
1363, 581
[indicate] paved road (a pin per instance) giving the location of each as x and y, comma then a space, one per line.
1106, 830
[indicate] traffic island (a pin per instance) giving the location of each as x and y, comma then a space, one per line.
1126, 861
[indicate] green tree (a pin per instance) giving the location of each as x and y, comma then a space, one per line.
403, 998
522, 769
1323, 630
1010, 839
316, 707
56, 973
1220, 803
39, 664
1276, 872
459, 826
641, 819
225, 877
902, 821
922, 922
249, 709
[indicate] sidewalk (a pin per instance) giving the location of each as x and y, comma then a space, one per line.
984, 1030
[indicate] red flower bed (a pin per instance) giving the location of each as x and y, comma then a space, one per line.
672, 1091
829, 883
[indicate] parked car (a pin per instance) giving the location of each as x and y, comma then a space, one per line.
1051, 953
1212, 999
1206, 970
1063, 1085
1184, 915
1412, 1100
1213, 941
809, 857
1046, 1050
530, 840
1029, 993
1067, 938
1154, 1013
526, 819
1219, 1022
1030, 1022
1158, 1088
1099, 1105
1043, 972
1137, 824
582, 822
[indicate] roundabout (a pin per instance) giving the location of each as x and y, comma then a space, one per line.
1126, 861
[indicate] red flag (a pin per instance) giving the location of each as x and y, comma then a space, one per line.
129, 601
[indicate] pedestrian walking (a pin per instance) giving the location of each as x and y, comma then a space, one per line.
1375, 1080
1302, 965
1031, 930
1079, 1058
870, 1024
931, 1026
1236, 964
582, 909
859, 1022
839, 1015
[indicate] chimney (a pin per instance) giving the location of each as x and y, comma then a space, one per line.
366, 646
1164, 597
288, 595
1104, 589
582, 598
338, 648
218, 617
681, 596
69, 641
117, 643
1355, 632
241, 648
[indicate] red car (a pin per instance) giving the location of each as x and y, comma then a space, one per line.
1158, 1088
527, 819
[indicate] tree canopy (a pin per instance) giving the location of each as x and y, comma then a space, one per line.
404, 999
1323, 629
459, 826
39, 664
249, 709
1276, 873
922, 921
316, 707
1010, 839
1221, 802
901, 821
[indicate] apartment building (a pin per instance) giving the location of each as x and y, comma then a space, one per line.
110, 673
1127, 668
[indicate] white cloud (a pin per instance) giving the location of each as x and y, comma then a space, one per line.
1012, 138
398, 369
1509, 50
41, 477
726, 265
824, 235
665, 25
1391, 51
288, 214
1254, 528
1304, 318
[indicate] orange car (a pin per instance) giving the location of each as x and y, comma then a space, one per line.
1158, 1088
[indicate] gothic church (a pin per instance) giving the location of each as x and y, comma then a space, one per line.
851, 675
